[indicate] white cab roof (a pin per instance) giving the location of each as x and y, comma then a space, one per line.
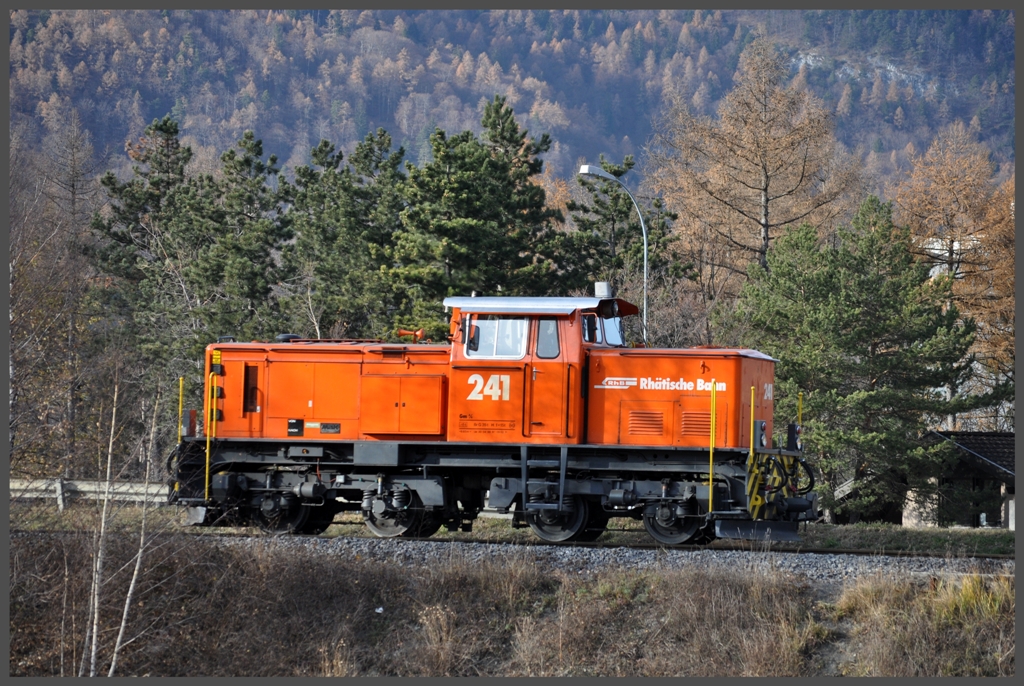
523, 305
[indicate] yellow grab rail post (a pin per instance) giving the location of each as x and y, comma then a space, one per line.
800, 408
751, 458
181, 404
711, 454
211, 427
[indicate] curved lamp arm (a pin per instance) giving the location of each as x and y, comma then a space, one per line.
593, 170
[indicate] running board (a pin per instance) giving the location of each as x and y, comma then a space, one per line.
760, 530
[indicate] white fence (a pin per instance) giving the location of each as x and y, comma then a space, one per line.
155, 493
63, 490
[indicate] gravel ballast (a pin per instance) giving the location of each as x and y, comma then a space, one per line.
814, 568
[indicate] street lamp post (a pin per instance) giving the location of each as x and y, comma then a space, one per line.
593, 170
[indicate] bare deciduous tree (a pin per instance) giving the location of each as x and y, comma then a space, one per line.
71, 188
26, 241
130, 594
769, 160
95, 595
944, 199
947, 201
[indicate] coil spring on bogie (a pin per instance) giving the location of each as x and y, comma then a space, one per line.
687, 508
535, 497
368, 496
401, 499
568, 502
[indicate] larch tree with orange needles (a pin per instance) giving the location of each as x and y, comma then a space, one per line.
964, 227
986, 294
769, 160
944, 202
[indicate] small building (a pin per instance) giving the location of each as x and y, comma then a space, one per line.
979, 490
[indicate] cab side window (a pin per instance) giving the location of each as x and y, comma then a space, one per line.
547, 338
251, 389
497, 337
591, 329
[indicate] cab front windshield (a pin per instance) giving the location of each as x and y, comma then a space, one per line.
613, 331
607, 330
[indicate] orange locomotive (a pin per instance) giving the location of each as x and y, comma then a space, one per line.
537, 406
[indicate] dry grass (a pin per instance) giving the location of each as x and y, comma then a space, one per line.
947, 627
671, 623
276, 610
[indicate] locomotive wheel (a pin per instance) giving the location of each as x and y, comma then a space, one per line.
318, 520
668, 529
558, 527
596, 526
429, 525
407, 523
282, 520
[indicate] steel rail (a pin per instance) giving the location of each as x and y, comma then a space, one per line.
716, 546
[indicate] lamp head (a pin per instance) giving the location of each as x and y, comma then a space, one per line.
594, 170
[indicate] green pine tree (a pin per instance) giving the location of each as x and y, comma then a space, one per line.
158, 225
189, 257
608, 234
866, 334
344, 218
379, 201
238, 271
316, 267
474, 220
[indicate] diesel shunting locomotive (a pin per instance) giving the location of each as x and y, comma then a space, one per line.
536, 406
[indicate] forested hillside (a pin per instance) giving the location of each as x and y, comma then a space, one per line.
593, 80
176, 176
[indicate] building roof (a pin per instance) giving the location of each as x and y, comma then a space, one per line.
991, 450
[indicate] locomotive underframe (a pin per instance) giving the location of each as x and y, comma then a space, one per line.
414, 488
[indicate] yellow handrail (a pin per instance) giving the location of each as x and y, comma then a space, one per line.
751, 459
211, 428
800, 408
181, 404
711, 456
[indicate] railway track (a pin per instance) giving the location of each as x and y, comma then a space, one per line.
715, 546
750, 547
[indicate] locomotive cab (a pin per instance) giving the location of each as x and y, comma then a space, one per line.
517, 366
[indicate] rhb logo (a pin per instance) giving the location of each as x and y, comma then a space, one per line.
617, 382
